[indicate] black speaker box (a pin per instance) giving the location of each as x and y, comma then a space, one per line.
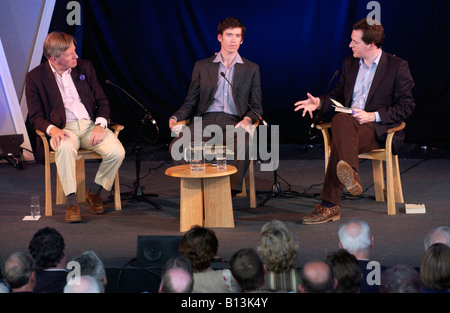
154, 251
10, 145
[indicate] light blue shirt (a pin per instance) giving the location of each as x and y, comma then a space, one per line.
223, 99
363, 83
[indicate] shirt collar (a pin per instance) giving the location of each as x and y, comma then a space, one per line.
237, 59
376, 61
55, 72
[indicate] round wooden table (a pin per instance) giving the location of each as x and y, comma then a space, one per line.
205, 196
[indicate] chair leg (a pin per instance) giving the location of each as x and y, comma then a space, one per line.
398, 190
243, 193
390, 186
117, 200
81, 180
378, 179
252, 185
48, 191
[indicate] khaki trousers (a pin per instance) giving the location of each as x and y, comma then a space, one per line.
110, 148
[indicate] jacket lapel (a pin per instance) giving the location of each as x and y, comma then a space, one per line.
351, 83
53, 89
238, 80
213, 72
379, 74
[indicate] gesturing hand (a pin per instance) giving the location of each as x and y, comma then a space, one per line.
309, 105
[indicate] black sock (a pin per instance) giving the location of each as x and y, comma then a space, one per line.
72, 199
96, 189
327, 204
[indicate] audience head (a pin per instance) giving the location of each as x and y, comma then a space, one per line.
439, 234
277, 247
91, 265
18, 271
317, 277
177, 276
47, 248
177, 280
199, 245
400, 279
85, 284
435, 267
355, 237
248, 269
347, 271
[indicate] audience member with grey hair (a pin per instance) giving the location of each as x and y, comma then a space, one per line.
356, 238
440, 234
18, 271
91, 265
85, 284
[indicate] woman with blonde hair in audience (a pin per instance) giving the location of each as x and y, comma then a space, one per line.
278, 249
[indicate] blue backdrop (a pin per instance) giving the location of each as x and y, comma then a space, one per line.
148, 47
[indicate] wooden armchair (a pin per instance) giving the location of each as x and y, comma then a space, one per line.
393, 193
80, 173
250, 173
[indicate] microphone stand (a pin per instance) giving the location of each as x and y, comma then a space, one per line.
137, 194
276, 189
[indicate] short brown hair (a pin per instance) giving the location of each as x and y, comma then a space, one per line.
230, 22
56, 43
371, 33
199, 245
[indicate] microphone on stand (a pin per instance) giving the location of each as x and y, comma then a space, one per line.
248, 104
316, 119
149, 115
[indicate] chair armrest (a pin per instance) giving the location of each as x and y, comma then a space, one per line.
396, 129
183, 122
323, 126
117, 128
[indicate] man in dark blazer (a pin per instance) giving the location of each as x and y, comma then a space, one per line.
212, 98
66, 102
378, 88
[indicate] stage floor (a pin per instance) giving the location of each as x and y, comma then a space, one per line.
398, 238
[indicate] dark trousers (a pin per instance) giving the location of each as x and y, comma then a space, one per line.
348, 139
241, 159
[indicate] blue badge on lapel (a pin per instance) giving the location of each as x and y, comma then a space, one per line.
82, 77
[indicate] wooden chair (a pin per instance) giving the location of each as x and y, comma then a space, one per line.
250, 174
80, 174
393, 192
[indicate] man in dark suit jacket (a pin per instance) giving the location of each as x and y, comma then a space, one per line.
212, 98
66, 102
378, 88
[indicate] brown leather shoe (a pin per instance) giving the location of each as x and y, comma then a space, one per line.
322, 215
349, 178
73, 214
96, 203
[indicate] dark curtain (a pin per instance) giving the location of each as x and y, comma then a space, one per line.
148, 47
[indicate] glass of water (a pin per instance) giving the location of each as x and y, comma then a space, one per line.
35, 207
